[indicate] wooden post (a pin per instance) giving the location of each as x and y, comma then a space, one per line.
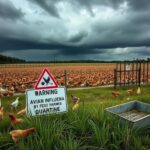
65, 79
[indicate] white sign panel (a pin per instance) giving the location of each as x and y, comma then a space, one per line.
46, 101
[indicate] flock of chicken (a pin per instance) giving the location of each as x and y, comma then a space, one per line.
16, 134
129, 91
17, 80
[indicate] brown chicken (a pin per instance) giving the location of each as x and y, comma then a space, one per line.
11, 93
1, 113
130, 91
115, 93
17, 134
14, 120
138, 91
75, 99
22, 112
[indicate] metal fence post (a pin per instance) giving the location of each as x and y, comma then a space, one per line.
139, 74
115, 78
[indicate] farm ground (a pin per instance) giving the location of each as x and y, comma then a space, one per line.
89, 127
21, 77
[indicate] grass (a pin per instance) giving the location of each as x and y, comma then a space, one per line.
88, 128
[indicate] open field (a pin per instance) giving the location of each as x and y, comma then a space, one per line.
21, 77
16, 78
88, 127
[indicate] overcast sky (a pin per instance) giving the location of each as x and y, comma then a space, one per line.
75, 29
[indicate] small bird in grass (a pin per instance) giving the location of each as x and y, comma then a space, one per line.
15, 121
22, 112
1, 113
75, 99
115, 93
17, 134
138, 91
15, 103
130, 91
75, 102
75, 106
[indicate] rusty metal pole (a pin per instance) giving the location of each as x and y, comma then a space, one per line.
115, 78
120, 73
139, 74
143, 72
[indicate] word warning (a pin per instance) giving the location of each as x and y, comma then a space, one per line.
46, 101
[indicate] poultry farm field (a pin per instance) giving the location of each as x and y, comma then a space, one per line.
17, 78
88, 127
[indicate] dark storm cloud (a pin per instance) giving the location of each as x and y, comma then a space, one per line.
78, 37
139, 5
90, 3
48, 6
111, 24
8, 10
7, 44
140, 18
141, 51
19, 44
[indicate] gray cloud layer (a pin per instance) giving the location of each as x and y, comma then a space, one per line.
48, 6
8, 10
79, 29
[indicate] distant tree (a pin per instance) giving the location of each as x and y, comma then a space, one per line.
7, 60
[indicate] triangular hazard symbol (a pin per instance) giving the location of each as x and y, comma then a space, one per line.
46, 81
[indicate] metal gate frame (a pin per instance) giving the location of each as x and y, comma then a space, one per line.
138, 71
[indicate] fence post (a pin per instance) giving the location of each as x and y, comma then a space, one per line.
124, 73
115, 78
120, 73
65, 79
139, 74
143, 78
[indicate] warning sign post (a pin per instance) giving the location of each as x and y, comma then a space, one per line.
46, 101
47, 97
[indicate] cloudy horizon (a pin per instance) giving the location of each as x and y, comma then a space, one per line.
74, 30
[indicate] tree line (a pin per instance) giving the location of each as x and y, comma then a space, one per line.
8, 60
13, 60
